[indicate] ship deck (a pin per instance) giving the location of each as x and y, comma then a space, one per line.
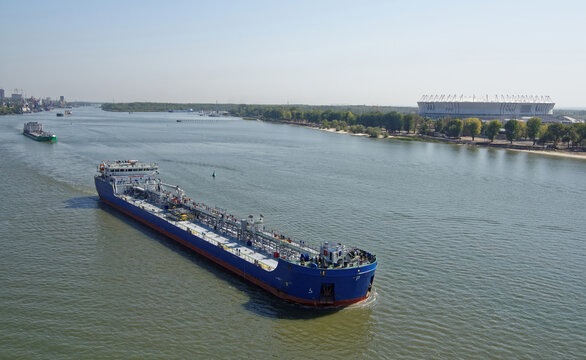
266, 261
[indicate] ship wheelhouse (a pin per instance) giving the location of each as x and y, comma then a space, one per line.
128, 168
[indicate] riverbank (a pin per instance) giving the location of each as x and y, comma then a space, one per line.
518, 145
575, 155
341, 132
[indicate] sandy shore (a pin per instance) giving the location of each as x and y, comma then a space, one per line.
579, 155
468, 141
332, 130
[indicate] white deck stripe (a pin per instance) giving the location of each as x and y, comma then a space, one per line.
235, 248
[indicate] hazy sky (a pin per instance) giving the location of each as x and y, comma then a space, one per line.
277, 52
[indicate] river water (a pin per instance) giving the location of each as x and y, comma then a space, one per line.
482, 253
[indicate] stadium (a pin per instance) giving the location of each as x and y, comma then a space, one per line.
486, 108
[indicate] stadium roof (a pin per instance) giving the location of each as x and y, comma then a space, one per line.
488, 99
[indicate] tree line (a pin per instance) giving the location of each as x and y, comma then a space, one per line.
155, 107
390, 121
375, 123
574, 135
244, 110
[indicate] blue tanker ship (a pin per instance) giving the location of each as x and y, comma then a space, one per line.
330, 275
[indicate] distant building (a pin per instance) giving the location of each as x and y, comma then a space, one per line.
16, 97
486, 108
1, 94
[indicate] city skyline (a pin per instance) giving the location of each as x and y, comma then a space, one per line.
376, 53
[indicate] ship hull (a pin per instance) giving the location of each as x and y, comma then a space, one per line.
41, 138
288, 281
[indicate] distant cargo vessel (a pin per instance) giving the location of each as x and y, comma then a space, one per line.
330, 275
34, 130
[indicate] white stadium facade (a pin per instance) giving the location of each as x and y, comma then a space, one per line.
486, 108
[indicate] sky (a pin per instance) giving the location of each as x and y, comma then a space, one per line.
293, 52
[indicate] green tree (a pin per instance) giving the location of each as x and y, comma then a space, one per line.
544, 134
569, 135
408, 122
439, 125
357, 129
483, 128
313, 116
533, 126
418, 121
556, 131
296, 115
393, 121
492, 129
373, 132
522, 130
454, 128
286, 114
573, 134
472, 127
512, 130
424, 128
350, 118
581, 132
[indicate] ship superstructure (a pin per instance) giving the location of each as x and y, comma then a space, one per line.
325, 275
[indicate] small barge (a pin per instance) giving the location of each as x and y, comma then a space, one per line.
34, 130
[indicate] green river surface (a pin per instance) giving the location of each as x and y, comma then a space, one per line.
482, 252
